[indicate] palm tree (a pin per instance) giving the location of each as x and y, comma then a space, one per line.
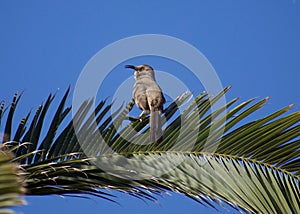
205, 155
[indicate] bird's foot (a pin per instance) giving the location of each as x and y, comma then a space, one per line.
141, 118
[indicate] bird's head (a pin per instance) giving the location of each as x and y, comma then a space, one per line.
141, 70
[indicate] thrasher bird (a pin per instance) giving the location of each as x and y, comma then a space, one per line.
149, 98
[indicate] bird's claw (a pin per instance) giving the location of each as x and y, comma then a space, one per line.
141, 118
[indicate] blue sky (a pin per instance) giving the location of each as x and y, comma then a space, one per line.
44, 45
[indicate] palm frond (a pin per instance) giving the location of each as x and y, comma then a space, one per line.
254, 167
11, 187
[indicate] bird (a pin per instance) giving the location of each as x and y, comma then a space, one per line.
149, 98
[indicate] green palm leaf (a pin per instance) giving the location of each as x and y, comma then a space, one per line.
254, 167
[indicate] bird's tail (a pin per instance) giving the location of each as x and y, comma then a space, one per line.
155, 126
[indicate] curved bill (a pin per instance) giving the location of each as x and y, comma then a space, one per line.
130, 66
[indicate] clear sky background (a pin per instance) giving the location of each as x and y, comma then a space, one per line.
253, 45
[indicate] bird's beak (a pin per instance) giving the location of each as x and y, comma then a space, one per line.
130, 66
